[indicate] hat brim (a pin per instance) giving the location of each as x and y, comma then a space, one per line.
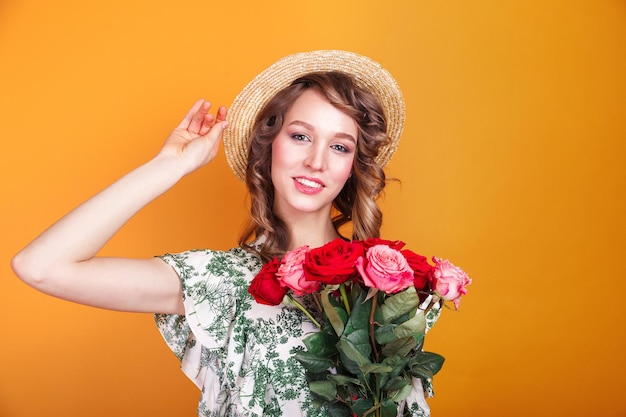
250, 101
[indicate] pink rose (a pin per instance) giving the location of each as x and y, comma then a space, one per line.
385, 268
291, 273
449, 281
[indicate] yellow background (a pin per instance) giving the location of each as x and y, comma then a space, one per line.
512, 166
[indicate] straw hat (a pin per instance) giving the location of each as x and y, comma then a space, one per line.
366, 73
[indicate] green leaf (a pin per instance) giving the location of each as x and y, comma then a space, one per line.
351, 358
395, 384
420, 372
375, 368
342, 313
420, 342
399, 304
355, 292
372, 410
337, 409
361, 339
397, 364
359, 317
325, 389
400, 394
426, 364
416, 326
312, 362
400, 347
384, 334
321, 343
332, 312
388, 408
362, 406
344, 380
431, 361
318, 402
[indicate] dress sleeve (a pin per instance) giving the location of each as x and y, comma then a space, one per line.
197, 336
208, 298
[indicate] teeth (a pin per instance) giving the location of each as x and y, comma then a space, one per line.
308, 183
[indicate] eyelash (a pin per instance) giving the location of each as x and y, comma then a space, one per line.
338, 147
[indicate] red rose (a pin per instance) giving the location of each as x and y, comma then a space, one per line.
333, 263
265, 288
422, 270
373, 241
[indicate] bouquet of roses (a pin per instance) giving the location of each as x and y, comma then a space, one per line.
370, 299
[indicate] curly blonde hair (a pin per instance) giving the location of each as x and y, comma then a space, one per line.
356, 202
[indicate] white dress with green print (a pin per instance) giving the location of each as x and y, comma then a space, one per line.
239, 352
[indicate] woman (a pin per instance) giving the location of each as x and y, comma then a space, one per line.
309, 136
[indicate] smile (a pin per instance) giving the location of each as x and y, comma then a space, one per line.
308, 185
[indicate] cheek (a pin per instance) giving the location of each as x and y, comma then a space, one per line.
343, 169
279, 153
280, 162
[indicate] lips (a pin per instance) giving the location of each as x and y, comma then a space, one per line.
308, 185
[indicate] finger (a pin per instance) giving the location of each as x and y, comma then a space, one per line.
221, 114
208, 145
207, 124
215, 133
184, 124
198, 118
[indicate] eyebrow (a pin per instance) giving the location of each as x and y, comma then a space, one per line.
311, 127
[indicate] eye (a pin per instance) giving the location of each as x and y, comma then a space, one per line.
299, 137
340, 148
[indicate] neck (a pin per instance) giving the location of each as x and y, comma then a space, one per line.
310, 230
311, 238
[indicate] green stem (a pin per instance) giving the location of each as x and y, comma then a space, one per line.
304, 310
344, 297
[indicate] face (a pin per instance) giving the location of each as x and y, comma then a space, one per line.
311, 156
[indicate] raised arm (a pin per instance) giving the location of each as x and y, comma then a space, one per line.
62, 262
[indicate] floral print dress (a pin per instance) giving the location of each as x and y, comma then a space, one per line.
239, 352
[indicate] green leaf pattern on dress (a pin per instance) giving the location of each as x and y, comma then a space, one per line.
238, 352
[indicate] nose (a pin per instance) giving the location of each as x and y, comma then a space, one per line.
316, 158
